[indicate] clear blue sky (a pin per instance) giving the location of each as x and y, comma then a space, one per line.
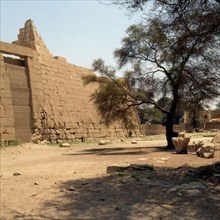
80, 30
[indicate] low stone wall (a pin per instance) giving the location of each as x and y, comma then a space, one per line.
155, 129
212, 125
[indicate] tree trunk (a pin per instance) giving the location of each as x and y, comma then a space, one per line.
169, 131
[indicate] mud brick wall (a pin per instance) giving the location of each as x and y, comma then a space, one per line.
155, 129
61, 104
212, 125
215, 114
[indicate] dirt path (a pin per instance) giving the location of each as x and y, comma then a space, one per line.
71, 183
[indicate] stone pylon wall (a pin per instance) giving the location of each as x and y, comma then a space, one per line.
61, 103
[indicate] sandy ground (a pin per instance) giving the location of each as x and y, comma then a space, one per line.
72, 183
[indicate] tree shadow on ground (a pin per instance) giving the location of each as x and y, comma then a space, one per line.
121, 151
161, 193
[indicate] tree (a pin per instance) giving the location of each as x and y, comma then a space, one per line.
218, 105
174, 55
113, 97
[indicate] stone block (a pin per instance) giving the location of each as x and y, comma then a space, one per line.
6, 92
70, 137
104, 142
133, 142
37, 124
207, 150
53, 138
6, 101
7, 137
9, 112
181, 144
35, 138
51, 123
9, 122
39, 86
65, 145
69, 125
23, 116
8, 130
21, 96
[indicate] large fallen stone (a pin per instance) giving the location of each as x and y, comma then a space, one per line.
35, 138
196, 146
181, 143
207, 150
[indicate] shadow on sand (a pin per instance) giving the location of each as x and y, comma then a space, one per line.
108, 151
161, 193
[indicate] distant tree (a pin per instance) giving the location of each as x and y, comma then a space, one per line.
174, 55
150, 115
218, 105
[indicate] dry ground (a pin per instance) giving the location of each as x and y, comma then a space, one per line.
72, 183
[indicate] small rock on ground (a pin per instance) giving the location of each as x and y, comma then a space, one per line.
16, 173
65, 145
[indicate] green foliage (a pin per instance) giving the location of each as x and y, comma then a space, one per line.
218, 105
89, 79
14, 143
150, 115
136, 176
174, 55
180, 43
112, 98
121, 174
196, 123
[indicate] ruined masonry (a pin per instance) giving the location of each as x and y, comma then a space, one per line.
43, 96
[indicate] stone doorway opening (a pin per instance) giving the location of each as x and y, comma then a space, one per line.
17, 71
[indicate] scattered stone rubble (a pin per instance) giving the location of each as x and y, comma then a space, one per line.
205, 150
202, 149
